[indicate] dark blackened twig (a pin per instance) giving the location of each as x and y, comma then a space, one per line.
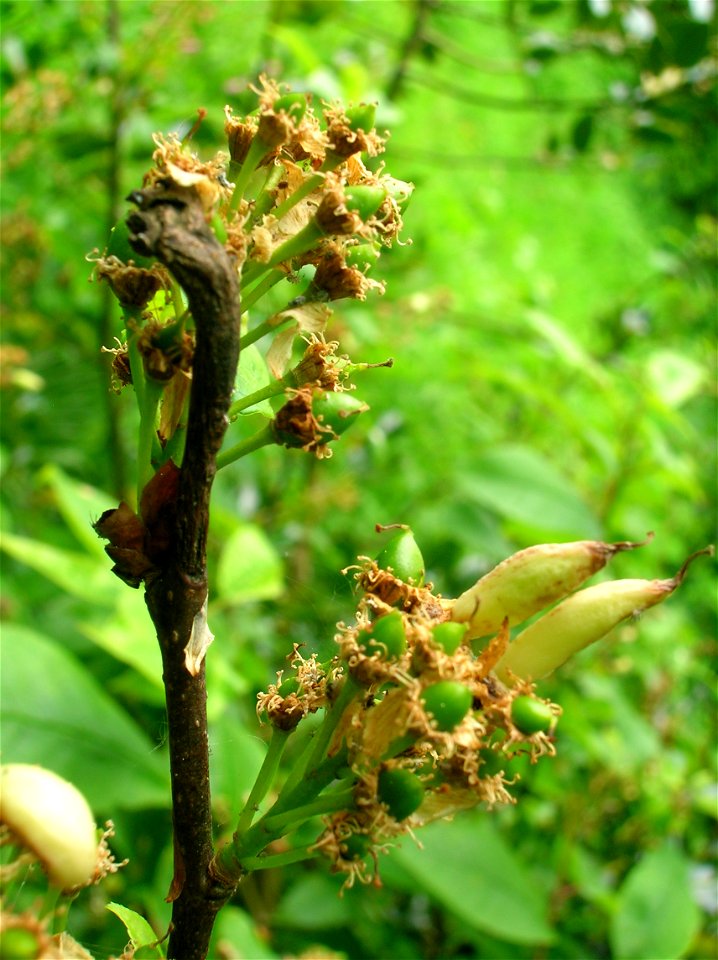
171, 226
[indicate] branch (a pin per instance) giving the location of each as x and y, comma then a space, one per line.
171, 226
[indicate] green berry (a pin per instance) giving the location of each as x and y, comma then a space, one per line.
399, 190
362, 116
295, 104
338, 410
448, 701
362, 255
402, 792
364, 200
119, 246
448, 636
385, 636
290, 685
530, 715
18, 944
403, 558
355, 847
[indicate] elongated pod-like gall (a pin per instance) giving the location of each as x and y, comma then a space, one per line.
530, 580
580, 620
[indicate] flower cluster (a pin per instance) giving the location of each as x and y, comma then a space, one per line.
295, 206
415, 724
429, 701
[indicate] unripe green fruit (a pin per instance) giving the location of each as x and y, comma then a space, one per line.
362, 116
448, 701
18, 944
364, 199
295, 104
385, 636
402, 792
403, 558
119, 246
530, 715
400, 191
338, 410
362, 255
448, 636
290, 685
355, 847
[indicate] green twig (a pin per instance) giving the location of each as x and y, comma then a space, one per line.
260, 439
263, 862
330, 803
265, 778
264, 286
273, 389
261, 330
147, 433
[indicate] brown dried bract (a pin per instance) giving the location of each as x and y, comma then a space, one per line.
139, 545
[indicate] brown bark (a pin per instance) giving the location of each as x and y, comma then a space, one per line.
170, 225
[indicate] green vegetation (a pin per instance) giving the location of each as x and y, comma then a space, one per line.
551, 326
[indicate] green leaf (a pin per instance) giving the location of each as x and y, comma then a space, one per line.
128, 635
252, 375
582, 132
237, 755
78, 574
467, 867
312, 903
249, 567
55, 714
657, 915
236, 931
675, 377
521, 485
80, 506
566, 347
138, 929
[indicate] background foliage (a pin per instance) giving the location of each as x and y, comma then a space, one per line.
552, 329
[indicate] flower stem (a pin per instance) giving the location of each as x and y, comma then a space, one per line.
279, 859
241, 178
330, 803
260, 439
331, 162
249, 299
301, 784
261, 330
264, 393
265, 778
147, 433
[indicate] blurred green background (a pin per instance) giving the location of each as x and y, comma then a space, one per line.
553, 329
